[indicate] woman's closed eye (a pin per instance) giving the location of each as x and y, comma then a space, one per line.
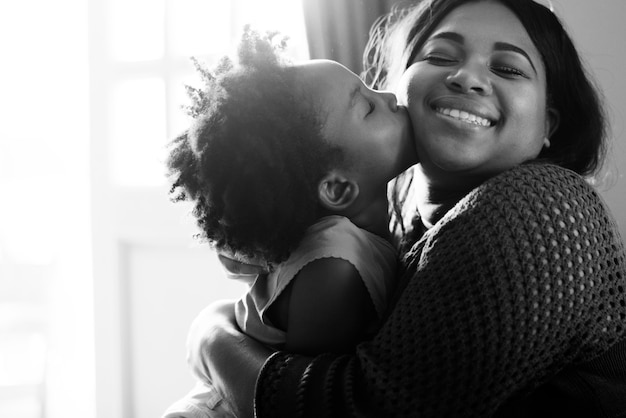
508, 71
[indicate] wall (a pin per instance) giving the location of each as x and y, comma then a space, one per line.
598, 30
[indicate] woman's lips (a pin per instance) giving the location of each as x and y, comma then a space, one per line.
465, 110
464, 116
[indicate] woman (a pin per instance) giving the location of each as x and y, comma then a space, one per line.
513, 302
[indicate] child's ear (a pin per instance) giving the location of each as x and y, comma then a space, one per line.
336, 191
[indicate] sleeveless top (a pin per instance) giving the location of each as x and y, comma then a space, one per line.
331, 237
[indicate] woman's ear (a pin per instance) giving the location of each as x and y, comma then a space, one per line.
552, 121
336, 192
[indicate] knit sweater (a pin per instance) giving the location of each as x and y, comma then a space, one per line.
514, 304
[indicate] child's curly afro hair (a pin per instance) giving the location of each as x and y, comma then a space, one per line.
253, 157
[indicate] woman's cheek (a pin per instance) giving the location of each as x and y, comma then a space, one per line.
412, 88
404, 85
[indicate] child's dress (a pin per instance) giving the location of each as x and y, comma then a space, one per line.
331, 237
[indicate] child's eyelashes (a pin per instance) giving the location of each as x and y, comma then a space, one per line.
372, 106
438, 59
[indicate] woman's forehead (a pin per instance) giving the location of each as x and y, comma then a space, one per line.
484, 20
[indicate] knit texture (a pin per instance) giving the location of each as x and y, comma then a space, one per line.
521, 283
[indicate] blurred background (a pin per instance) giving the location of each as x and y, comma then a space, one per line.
100, 276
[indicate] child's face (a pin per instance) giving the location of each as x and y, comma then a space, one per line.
374, 132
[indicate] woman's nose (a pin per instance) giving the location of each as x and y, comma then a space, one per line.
470, 78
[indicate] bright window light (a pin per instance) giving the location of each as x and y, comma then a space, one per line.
138, 29
45, 267
151, 42
283, 15
138, 132
199, 26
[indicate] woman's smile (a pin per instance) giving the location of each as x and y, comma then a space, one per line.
465, 117
469, 115
465, 110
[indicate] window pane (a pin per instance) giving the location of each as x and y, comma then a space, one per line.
138, 132
136, 29
199, 26
285, 16
212, 27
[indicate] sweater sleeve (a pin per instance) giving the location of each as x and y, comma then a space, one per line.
525, 276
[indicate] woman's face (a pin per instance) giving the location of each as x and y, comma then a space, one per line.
476, 94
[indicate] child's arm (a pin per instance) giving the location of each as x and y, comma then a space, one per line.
325, 308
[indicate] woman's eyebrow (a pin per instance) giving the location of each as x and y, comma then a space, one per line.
504, 46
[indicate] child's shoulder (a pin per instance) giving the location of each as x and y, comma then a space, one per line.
337, 232
327, 307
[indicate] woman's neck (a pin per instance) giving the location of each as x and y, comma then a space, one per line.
436, 198
432, 211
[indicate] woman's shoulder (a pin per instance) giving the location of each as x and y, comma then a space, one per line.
534, 193
539, 182
539, 174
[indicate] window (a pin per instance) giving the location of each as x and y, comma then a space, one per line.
146, 263
147, 49
91, 92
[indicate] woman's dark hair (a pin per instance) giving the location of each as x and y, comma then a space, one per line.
578, 143
251, 161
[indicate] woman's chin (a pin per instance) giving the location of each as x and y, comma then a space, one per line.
455, 164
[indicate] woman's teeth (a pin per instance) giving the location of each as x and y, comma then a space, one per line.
464, 116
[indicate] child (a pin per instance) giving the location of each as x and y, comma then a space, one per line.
287, 166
